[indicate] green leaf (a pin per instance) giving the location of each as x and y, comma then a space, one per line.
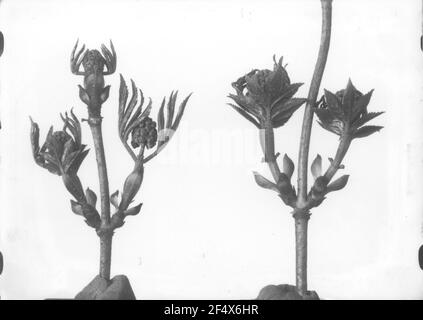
245, 115
335, 127
360, 106
264, 183
137, 112
290, 106
242, 103
170, 110
333, 101
180, 112
68, 148
366, 118
74, 167
338, 184
123, 97
160, 116
324, 115
366, 131
274, 84
51, 159
253, 86
316, 167
348, 100
289, 92
131, 105
285, 112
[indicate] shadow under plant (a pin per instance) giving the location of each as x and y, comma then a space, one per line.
266, 99
63, 152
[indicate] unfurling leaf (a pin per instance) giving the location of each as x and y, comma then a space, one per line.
264, 183
288, 166
91, 197
338, 184
74, 186
316, 167
133, 211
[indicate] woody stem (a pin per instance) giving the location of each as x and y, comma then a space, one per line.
311, 100
343, 146
301, 220
267, 141
105, 237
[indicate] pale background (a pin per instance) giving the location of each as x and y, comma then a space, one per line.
206, 230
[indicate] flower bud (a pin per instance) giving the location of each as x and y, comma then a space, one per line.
144, 134
131, 186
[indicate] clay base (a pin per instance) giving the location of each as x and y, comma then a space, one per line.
284, 292
117, 288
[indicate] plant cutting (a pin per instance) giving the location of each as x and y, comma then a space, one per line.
63, 152
267, 99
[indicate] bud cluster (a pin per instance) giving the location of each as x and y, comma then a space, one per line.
345, 113
264, 96
145, 134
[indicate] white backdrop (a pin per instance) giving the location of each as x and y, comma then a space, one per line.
206, 230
